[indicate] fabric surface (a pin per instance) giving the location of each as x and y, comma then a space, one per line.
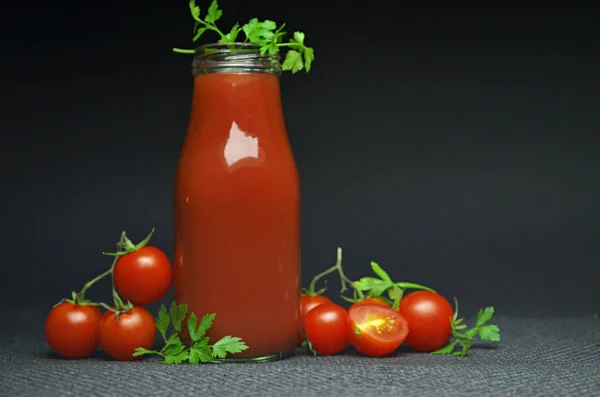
536, 357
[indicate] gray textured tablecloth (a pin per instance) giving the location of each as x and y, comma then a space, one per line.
537, 357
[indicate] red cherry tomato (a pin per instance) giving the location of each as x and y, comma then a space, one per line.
119, 338
72, 331
376, 330
307, 303
143, 276
428, 315
326, 328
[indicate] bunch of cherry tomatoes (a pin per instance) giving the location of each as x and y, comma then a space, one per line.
141, 275
375, 324
373, 327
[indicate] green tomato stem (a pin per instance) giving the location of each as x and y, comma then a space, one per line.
89, 284
345, 281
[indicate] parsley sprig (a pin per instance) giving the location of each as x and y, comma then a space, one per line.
463, 339
265, 34
377, 287
200, 349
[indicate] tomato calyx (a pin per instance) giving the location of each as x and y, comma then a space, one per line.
119, 308
126, 246
77, 299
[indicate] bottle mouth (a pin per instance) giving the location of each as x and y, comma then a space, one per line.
234, 58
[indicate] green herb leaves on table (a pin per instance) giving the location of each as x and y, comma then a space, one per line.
485, 331
200, 349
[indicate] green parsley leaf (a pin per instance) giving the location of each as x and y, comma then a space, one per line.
382, 274
293, 61
195, 10
309, 58
140, 351
299, 37
406, 285
192, 326
173, 348
178, 313
489, 332
213, 13
484, 315
395, 295
200, 354
232, 35
367, 283
201, 342
206, 323
177, 358
228, 344
449, 348
162, 322
196, 333
259, 32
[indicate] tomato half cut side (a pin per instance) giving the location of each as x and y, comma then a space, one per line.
376, 330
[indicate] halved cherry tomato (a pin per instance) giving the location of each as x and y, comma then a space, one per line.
73, 331
376, 330
428, 315
307, 303
326, 328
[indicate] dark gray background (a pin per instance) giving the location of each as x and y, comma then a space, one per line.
454, 145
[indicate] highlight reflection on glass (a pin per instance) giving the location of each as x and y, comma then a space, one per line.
239, 145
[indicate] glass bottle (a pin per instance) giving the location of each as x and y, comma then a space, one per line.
237, 204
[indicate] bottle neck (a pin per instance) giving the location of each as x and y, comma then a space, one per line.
234, 81
234, 58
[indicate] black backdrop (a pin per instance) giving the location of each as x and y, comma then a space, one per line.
454, 145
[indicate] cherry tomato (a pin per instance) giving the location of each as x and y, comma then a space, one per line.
371, 301
307, 303
326, 328
143, 276
72, 331
428, 315
134, 328
376, 330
